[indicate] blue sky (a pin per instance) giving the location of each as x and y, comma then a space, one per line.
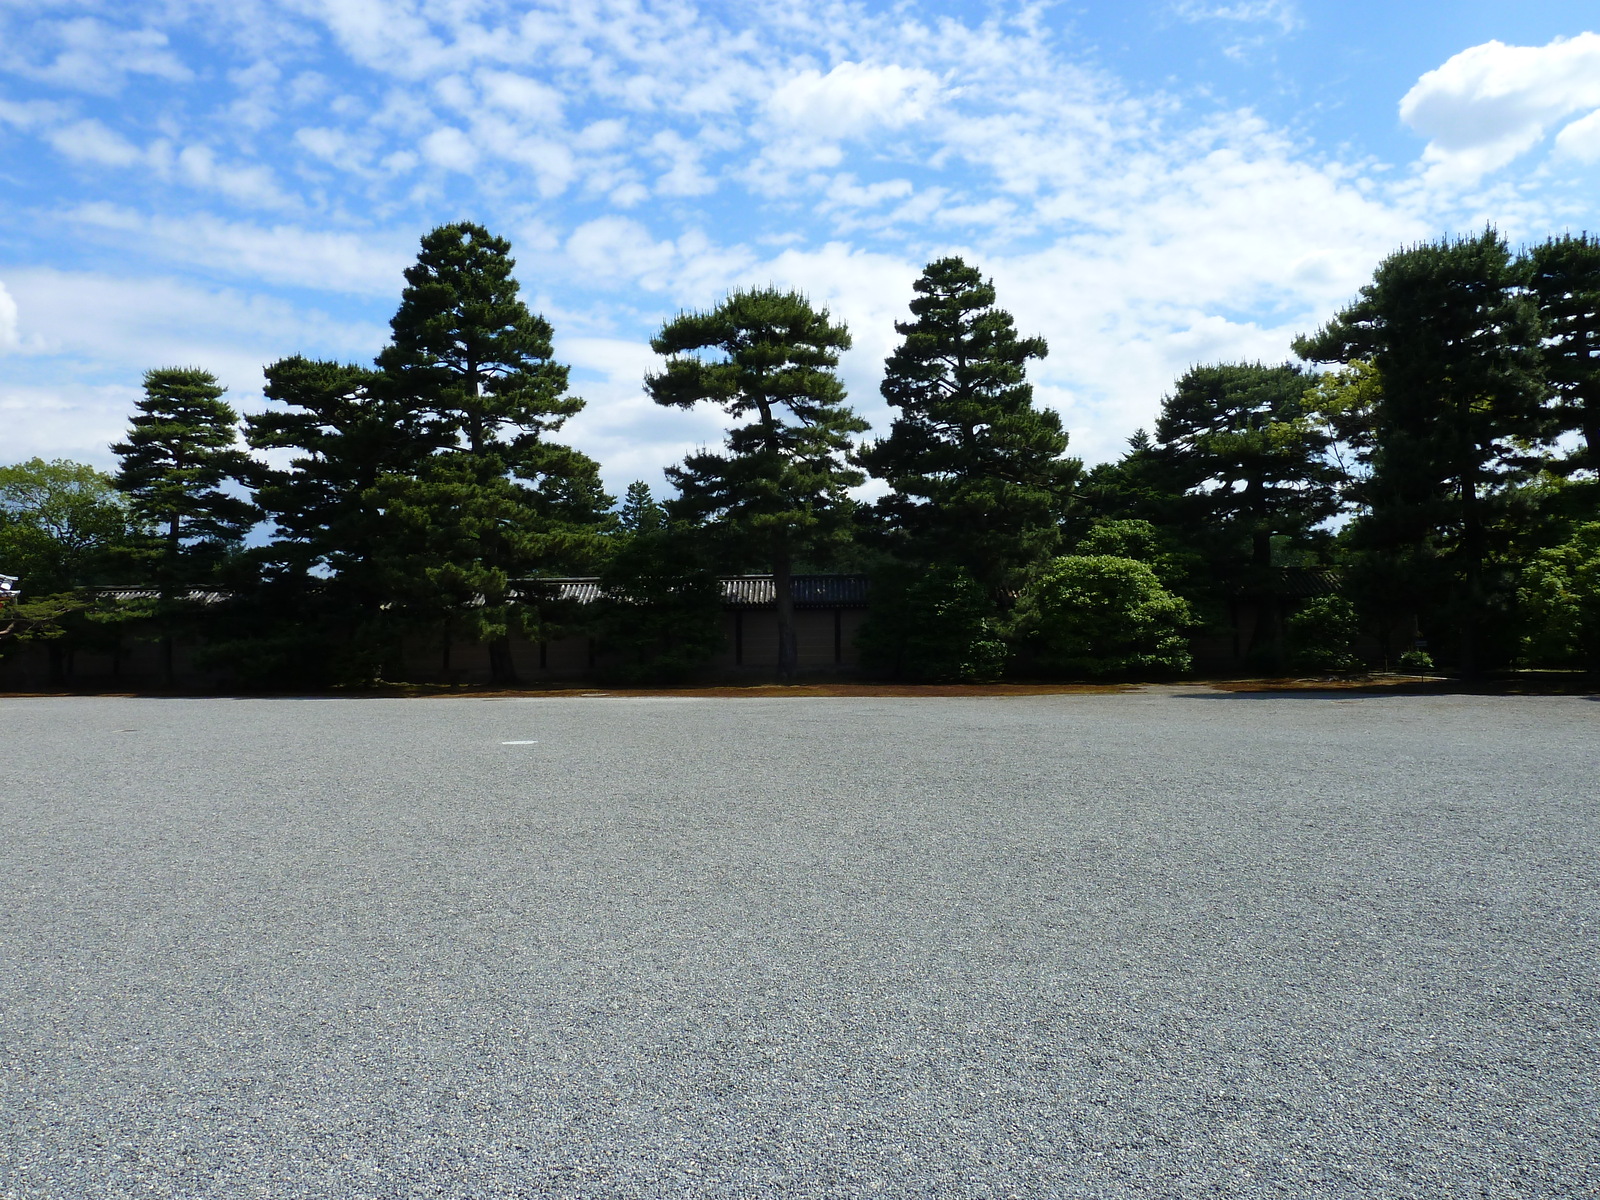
1152, 183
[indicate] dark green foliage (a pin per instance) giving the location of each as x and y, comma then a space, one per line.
1251, 457
1559, 599
659, 616
320, 614
1564, 274
178, 461
181, 468
1322, 636
780, 489
1457, 344
469, 377
931, 625
639, 512
1101, 617
977, 474
342, 433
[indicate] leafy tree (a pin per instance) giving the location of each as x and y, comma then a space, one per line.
1322, 635
1564, 274
1102, 616
780, 488
62, 525
1559, 598
64, 528
931, 625
659, 616
1457, 344
979, 476
470, 375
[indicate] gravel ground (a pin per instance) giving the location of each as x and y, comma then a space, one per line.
1173, 943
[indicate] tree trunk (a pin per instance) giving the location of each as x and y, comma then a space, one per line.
501, 667
1472, 550
783, 596
1267, 633
168, 674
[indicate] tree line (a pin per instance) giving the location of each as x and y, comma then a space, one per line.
1432, 459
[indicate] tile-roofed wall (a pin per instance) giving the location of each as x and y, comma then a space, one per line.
738, 591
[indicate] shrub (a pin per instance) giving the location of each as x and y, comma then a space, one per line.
1559, 598
1416, 662
1322, 636
1100, 616
931, 625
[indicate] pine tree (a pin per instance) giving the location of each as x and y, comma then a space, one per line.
978, 474
181, 454
639, 512
781, 487
1456, 342
1253, 464
1564, 273
470, 372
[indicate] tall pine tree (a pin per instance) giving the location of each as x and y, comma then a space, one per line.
471, 375
1456, 341
1252, 460
176, 467
978, 474
781, 487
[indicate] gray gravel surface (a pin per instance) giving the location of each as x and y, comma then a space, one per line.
1173, 943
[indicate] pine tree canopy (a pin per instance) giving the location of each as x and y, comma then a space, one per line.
978, 474
784, 478
1251, 456
474, 362
1564, 273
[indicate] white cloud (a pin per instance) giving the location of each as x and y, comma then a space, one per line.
1581, 139
90, 141
853, 99
450, 149
1491, 103
521, 96
8, 319
319, 259
251, 184
97, 57
616, 249
1282, 13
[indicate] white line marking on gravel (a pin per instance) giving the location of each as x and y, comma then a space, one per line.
535, 742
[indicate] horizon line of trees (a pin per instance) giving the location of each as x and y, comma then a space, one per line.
1436, 451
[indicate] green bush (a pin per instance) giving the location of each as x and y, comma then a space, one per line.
1416, 662
1322, 636
931, 625
1559, 599
1100, 616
